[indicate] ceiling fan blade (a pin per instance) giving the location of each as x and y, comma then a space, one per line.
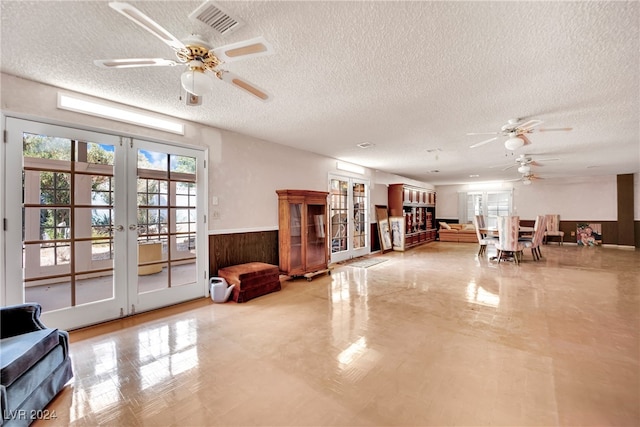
484, 133
147, 23
483, 142
526, 126
548, 159
134, 62
243, 50
526, 140
555, 129
245, 85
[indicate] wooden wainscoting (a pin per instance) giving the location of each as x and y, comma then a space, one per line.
609, 230
240, 248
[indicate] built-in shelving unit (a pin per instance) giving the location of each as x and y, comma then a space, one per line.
417, 206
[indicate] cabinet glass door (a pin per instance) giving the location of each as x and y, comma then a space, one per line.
295, 225
316, 236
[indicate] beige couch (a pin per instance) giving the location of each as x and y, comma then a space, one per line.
460, 233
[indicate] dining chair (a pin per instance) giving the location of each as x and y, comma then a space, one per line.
483, 240
536, 240
553, 227
508, 230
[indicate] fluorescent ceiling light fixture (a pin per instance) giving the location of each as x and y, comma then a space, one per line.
93, 108
349, 167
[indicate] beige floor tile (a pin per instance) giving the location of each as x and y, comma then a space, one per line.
433, 336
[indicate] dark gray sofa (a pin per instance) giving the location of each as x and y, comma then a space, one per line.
35, 364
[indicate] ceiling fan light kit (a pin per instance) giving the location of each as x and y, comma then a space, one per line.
513, 143
195, 81
526, 182
524, 169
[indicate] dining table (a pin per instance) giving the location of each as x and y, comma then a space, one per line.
493, 231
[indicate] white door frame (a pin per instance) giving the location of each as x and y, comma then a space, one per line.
352, 252
124, 302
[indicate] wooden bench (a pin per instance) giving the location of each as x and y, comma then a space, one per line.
252, 280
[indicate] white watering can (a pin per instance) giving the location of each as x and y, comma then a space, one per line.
219, 290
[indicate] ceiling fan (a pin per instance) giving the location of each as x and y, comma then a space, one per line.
195, 54
515, 130
525, 163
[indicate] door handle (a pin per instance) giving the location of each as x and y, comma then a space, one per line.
119, 227
133, 227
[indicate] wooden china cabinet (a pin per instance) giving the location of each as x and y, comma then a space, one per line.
302, 232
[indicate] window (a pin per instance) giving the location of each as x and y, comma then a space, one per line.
491, 204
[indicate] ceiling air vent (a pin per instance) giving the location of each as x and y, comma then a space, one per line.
215, 17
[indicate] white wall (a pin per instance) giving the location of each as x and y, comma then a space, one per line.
244, 172
582, 198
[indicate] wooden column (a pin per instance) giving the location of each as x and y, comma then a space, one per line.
626, 232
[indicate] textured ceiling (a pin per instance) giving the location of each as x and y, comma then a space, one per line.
411, 78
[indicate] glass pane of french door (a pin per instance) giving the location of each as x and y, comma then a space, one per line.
66, 203
338, 200
165, 230
360, 217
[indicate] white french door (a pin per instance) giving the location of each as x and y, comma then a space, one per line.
166, 227
95, 228
348, 218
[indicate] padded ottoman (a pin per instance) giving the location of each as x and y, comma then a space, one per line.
252, 280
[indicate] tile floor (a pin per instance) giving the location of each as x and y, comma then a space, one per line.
434, 336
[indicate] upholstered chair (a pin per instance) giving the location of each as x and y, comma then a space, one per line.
483, 241
508, 230
553, 227
536, 240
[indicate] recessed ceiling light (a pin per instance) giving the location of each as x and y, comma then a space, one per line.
473, 176
365, 145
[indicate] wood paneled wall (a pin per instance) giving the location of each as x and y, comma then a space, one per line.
240, 248
609, 230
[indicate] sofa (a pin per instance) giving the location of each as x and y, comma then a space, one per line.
459, 233
35, 364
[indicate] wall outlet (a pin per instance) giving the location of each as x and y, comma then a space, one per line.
215, 214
